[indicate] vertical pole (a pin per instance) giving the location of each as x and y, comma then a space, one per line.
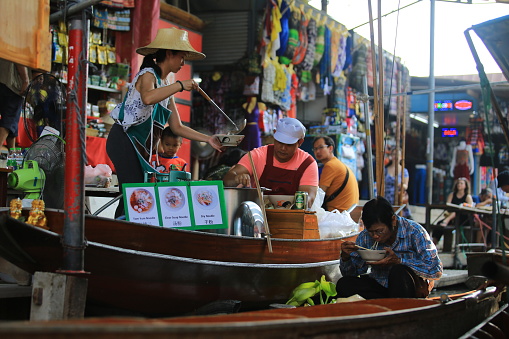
369, 149
381, 119
431, 105
376, 109
324, 5
74, 220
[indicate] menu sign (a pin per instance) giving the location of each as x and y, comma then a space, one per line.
140, 204
175, 210
207, 209
189, 205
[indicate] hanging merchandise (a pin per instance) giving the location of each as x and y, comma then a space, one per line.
283, 19
252, 132
307, 64
294, 87
339, 95
307, 91
348, 50
341, 56
320, 43
251, 85
370, 77
503, 155
269, 78
335, 39
301, 50
325, 64
280, 85
293, 36
474, 135
270, 42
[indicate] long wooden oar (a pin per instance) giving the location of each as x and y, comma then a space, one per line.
262, 204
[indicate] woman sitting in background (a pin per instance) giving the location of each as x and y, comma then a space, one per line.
459, 196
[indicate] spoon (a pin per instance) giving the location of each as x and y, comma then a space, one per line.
237, 128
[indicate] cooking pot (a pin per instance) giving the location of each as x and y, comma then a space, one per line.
233, 197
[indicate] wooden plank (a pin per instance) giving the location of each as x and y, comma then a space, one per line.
25, 37
180, 17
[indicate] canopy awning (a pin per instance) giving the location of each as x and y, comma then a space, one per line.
494, 34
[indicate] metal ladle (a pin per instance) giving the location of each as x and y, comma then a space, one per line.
237, 129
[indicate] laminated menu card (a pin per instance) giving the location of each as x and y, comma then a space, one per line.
208, 205
174, 204
140, 203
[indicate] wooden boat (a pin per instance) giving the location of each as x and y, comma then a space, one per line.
382, 318
495, 326
160, 271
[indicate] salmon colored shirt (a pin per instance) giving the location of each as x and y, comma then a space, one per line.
309, 177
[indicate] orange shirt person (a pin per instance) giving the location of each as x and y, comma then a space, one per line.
337, 180
167, 161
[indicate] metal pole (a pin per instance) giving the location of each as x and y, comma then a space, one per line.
369, 149
74, 217
431, 105
72, 10
324, 5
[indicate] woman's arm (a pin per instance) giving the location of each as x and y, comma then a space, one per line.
150, 95
186, 132
469, 200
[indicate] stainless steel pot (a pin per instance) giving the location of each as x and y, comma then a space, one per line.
233, 197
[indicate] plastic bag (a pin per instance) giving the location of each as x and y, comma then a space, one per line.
336, 224
99, 176
317, 203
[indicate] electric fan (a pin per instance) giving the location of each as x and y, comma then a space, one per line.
44, 105
29, 179
48, 152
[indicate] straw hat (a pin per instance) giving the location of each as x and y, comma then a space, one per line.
174, 39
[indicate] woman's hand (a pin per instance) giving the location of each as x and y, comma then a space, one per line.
213, 141
390, 259
347, 248
189, 85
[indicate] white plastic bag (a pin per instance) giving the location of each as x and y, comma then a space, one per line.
317, 204
336, 224
99, 175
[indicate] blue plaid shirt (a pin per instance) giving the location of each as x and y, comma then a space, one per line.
412, 245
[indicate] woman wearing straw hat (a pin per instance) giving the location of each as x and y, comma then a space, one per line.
149, 105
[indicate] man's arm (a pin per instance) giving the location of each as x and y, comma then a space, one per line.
237, 176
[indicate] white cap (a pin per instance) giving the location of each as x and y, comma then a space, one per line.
289, 131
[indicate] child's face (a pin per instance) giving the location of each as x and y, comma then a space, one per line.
171, 146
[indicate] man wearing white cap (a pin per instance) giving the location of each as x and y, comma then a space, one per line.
283, 166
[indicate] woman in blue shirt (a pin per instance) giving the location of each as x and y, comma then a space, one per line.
409, 267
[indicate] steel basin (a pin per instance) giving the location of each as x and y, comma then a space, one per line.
233, 197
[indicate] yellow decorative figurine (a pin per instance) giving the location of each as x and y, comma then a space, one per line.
36, 216
16, 208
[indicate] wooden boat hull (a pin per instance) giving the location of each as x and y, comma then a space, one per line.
154, 271
381, 318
